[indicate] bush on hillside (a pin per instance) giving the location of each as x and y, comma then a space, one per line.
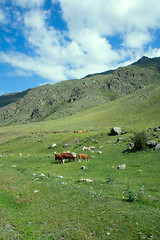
140, 139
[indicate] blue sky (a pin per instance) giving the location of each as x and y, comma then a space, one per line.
47, 41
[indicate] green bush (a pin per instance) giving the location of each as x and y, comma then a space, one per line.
140, 139
133, 195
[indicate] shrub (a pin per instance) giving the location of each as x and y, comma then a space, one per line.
133, 195
140, 139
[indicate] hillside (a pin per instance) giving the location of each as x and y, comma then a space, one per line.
44, 200
89, 200
69, 97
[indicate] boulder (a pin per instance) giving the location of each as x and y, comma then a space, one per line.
53, 145
83, 167
151, 143
86, 180
122, 167
157, 146
119, 140
92, 147
115, 131
99, 152
131, 145
157, 129
65, 145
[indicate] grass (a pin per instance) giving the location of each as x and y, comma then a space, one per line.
67, 208
40, 199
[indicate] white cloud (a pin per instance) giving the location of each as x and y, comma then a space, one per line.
85, 48
35, 65
29, 4
111, 16
2, 16
137, 39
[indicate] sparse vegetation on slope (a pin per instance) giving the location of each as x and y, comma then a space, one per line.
69, 97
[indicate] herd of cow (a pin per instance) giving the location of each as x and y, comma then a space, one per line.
60, 158
76, 131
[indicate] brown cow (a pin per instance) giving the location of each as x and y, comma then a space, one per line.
68, 156
83, 156
59, 158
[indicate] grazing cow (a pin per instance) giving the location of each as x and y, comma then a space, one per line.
68, 156
85, 131
83, 156
75, 132
59, 158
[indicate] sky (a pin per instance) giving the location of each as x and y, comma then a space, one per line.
47, 41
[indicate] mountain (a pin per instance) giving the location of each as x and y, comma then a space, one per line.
69, 97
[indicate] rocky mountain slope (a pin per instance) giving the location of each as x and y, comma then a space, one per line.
72, 96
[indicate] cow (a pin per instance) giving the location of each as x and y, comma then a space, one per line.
59, 158
85, 131
75, 131
83, 156
68, 156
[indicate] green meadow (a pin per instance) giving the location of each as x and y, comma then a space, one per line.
40, 199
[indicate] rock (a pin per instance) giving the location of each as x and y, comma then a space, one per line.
53, 145
60, 176
122, 167
157, 146
42, 175
99, 152
65, 145
154, 134
86, 180
119, 140
13, 165
157, 129
83, 167
124, 132
9, 227
35, 191
131, 145
150, 129
115, 131
151, 144
92, 147
96, 141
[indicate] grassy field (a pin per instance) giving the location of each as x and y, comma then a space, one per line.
40, 199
